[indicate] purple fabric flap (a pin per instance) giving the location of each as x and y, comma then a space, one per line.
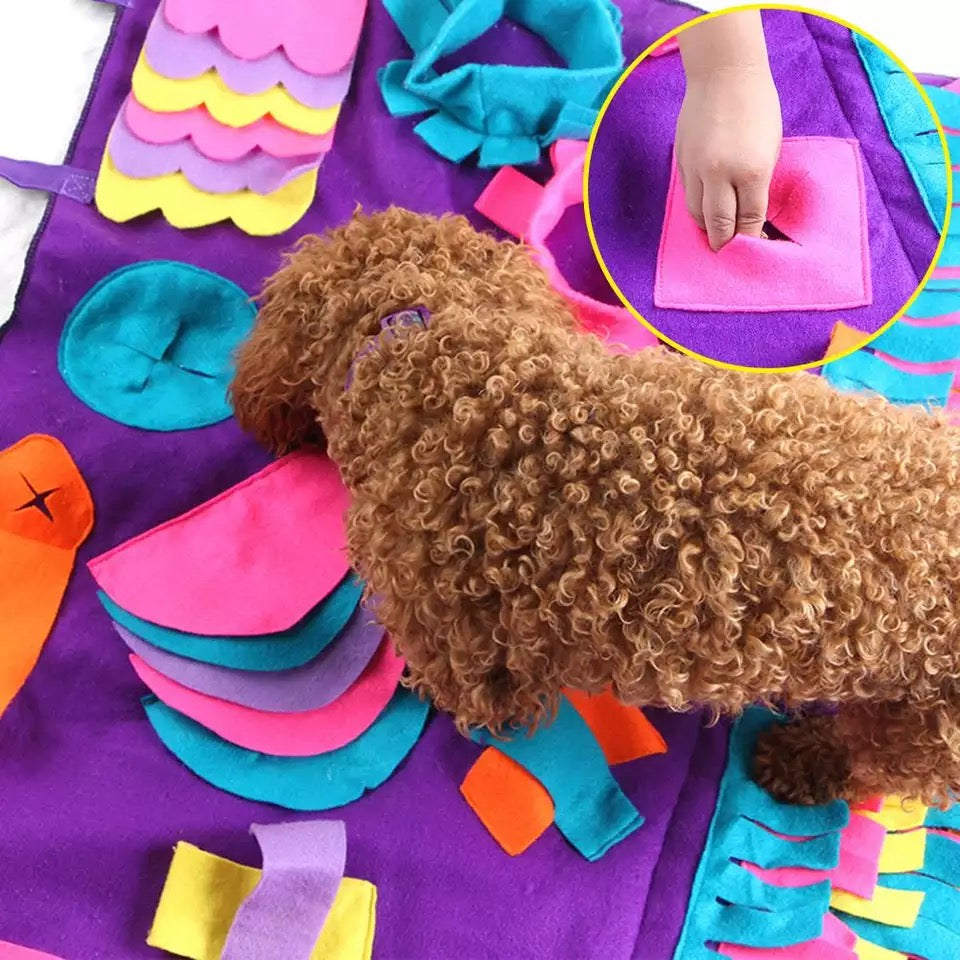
302, 868
314, 685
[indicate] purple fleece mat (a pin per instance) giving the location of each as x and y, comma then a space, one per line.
92, 803
812, 59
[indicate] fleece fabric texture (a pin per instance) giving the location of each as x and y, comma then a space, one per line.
216, 569
302, 872
590, 809
173, 53
302, 734
728, 903
259, 172
203, 893
913, 910
284, 650
321, 782
46, 513
817, 200
515, 807
315, 45
151, 345
824, 92
908, 122
315, 684
508, 113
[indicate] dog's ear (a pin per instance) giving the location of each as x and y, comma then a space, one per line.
272, 389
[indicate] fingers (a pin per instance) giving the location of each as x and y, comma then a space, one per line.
752, 198
693, 192
719, 212
723, 209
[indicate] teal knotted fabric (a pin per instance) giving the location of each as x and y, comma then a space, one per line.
507, 113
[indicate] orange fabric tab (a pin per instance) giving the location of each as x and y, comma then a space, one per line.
46, 512
510, 802
843, 339
513, 805
623, 732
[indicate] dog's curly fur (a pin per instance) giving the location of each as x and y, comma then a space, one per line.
534, 512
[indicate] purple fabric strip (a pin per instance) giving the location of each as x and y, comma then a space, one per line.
180, 55
662, 923
824, 91
257, 171
934, 79
78, 752
314, 685
51, 178
302, 868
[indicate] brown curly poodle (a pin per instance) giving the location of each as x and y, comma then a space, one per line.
534, 512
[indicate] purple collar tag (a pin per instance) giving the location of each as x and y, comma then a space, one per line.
412, 317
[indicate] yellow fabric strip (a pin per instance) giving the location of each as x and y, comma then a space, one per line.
120, 198
895, 908
870, 951
900, 814
203, 892
232, 109
903, 852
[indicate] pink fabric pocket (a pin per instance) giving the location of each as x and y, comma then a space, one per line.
817, 201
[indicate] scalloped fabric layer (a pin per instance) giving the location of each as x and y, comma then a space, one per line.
218, 141
120, 198
251, 29
182, 56
233, 109
257, 171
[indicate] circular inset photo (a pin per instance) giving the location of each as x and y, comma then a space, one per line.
767, 188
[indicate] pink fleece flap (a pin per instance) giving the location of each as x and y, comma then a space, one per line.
531, 212
668, 46
318, 38
817, 200
10, 951
256, 559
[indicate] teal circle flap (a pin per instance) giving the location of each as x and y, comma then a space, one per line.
151, 345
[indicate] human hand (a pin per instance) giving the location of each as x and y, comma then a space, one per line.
729, 129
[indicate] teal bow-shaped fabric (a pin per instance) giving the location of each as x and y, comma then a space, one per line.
507, 113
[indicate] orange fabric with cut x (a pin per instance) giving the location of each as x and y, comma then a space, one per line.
46, 512
513, 805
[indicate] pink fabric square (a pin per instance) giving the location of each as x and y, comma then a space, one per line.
817, 199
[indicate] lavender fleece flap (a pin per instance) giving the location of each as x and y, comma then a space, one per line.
314, 685
824, 91
259, 172
92, 801
302, 868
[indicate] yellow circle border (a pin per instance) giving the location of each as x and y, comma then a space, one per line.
676, 32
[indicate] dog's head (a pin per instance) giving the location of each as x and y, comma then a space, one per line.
324, 308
